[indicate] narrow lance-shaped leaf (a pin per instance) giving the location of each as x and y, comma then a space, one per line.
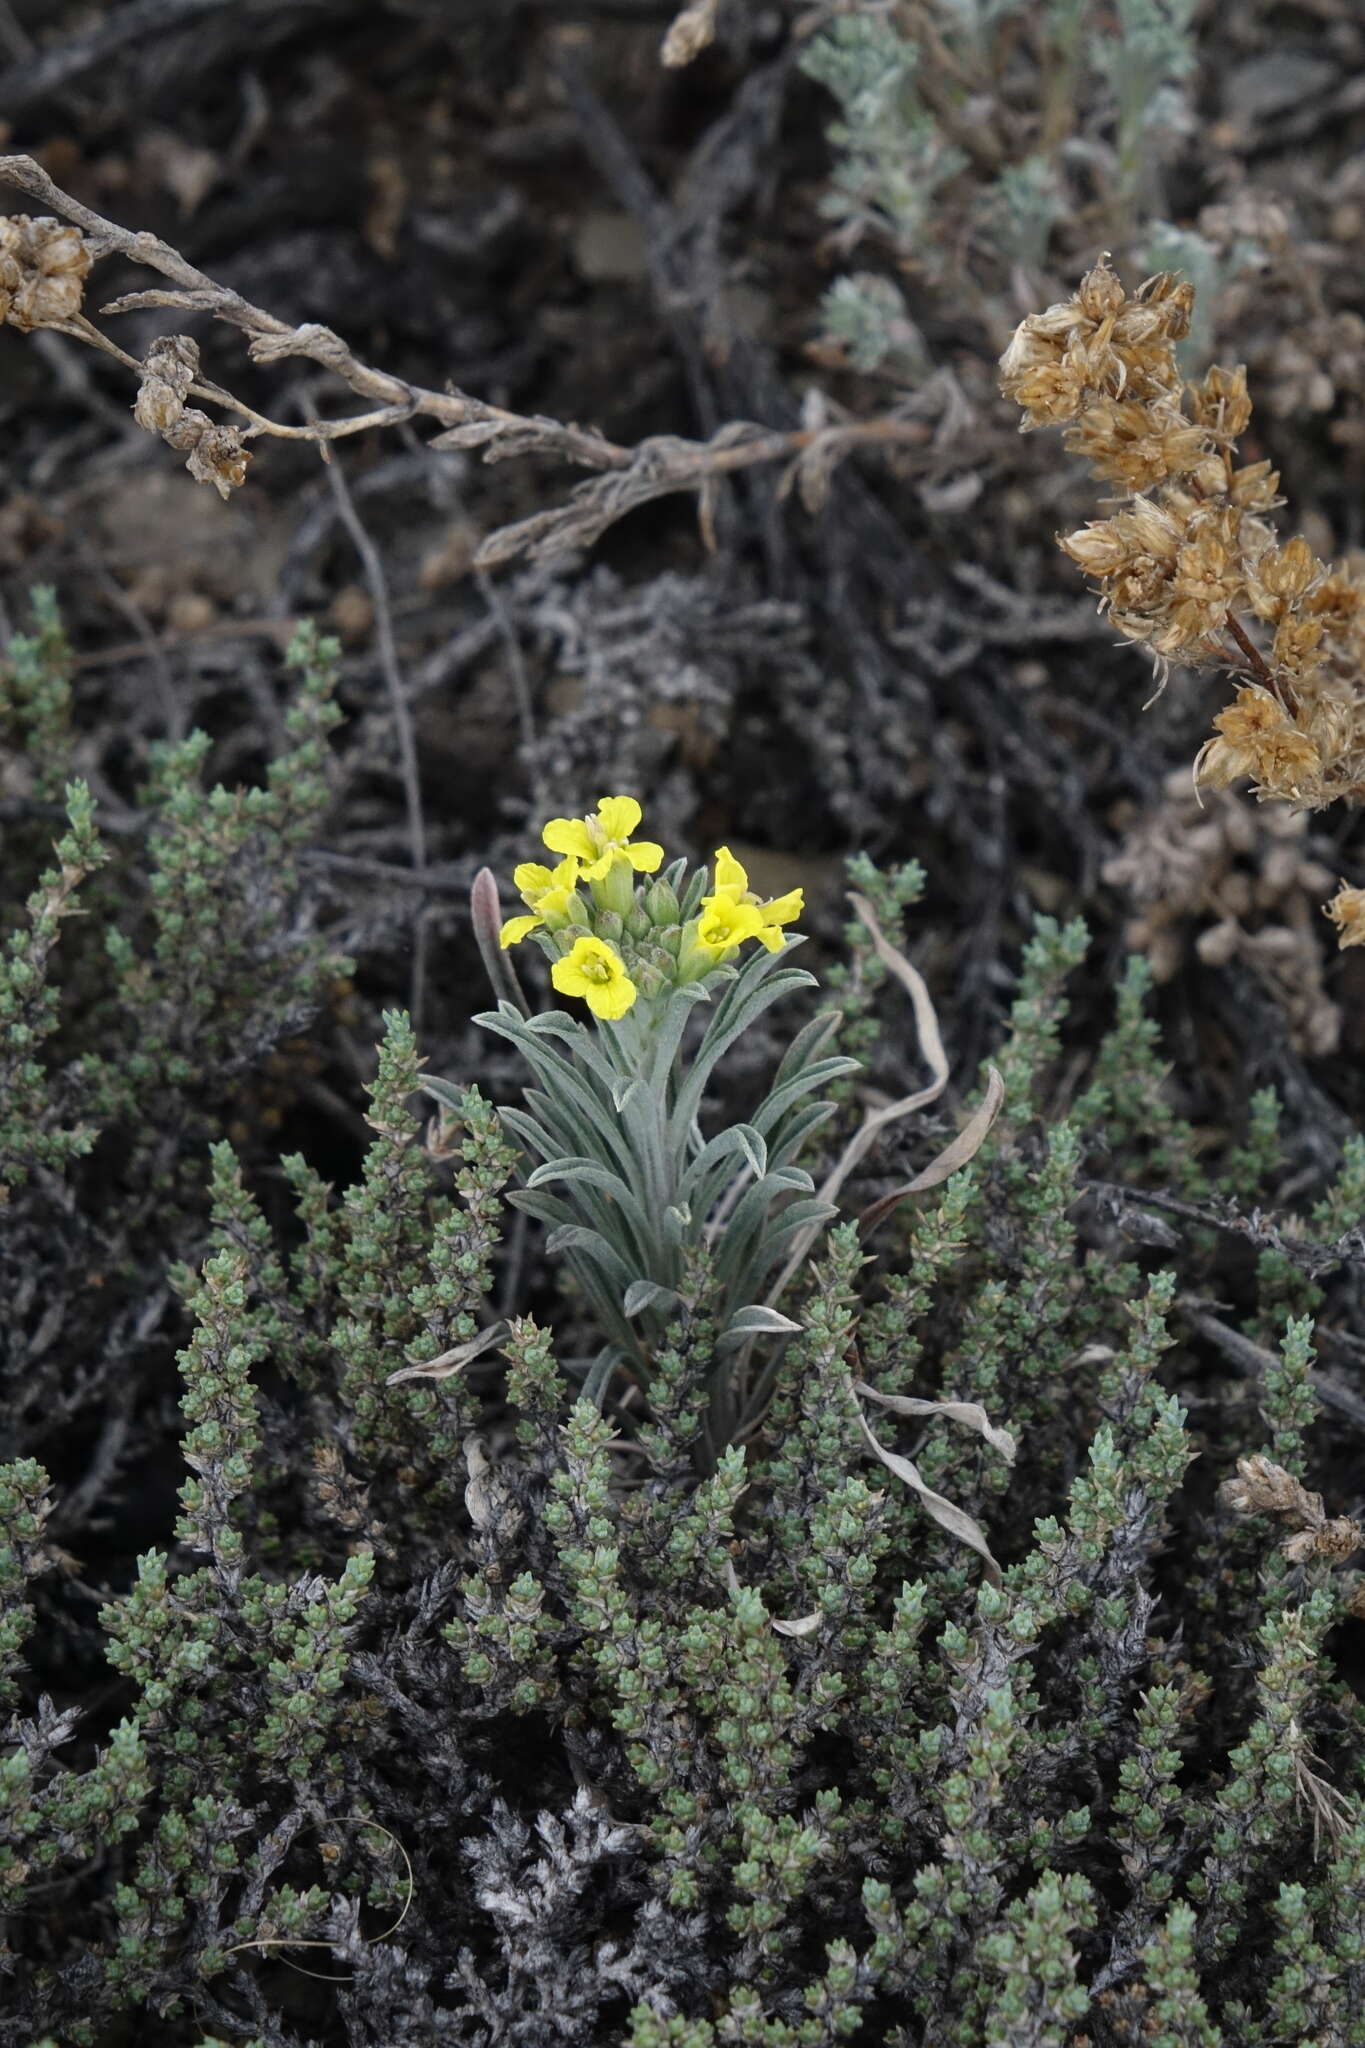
730, 1024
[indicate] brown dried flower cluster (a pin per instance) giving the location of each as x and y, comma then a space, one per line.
1262, 1487
213, 454
1190, 566
43, 268
1237, 882
1347, 912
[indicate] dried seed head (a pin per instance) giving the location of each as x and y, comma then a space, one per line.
1347, 912
1283, 577
213, 454
1192, 550
1099, 296
1262, 1487
168, 370
1209, 580
1296, 648
1335, 1540
1141, 543
1339, 599
1137, 445
1219, 943
43, 268
218, 458
1254, 488
1095, 345
1258, 738
1172, 297
1221, 402
1196, 866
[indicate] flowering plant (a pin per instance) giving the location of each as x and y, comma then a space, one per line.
651, 1213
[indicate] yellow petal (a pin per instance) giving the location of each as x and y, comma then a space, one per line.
644, 855
731, 879
612, 999
569, 978
530, 877
559, 903
725, 924
618, 816
783, 909
772, 936
515, 930
569, 835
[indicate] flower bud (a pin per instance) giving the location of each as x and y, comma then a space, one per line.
661, 901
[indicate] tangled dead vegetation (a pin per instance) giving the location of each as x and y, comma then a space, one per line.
1231, 882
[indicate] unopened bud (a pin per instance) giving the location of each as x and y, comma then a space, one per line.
661, 901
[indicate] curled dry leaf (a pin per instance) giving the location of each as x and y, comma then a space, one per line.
964, 1147
451, 1361
487, 1496
970, 1413
876, 1120
803, 1625
946, 1513
913, 982
690, 33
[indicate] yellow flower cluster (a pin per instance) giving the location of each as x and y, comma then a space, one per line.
585, 933
1190, 567
733, 913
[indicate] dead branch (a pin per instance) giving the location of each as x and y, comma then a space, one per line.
627, 477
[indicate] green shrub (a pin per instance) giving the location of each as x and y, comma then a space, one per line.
512, 1717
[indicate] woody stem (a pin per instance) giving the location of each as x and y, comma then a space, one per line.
1256, 663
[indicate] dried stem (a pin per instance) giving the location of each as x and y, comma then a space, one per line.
625, 477
387, 646
1278, 686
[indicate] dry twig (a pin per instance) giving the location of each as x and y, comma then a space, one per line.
627, 477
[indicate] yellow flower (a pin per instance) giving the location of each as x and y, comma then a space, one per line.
724, 924
732, 884
595, 971
602, 840
550, 893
